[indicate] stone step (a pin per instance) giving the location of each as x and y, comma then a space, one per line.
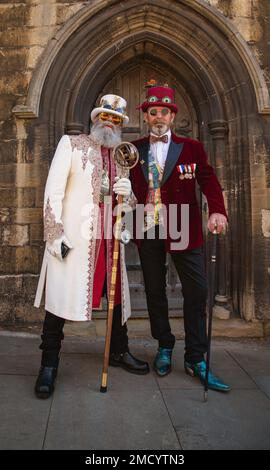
138, 314
139, 327
138, 299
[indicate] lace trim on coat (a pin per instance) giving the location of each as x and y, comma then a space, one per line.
52, 229
87, 145
90, 153
95, 184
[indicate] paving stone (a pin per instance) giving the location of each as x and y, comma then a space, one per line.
238, 420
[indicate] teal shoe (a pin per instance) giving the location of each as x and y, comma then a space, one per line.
199, 370
163, 361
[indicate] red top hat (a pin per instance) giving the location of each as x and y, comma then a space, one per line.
157, 95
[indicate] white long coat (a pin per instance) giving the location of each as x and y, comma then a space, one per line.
72, 190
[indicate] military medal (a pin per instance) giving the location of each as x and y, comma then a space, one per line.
193, 167
180, 169
185, 171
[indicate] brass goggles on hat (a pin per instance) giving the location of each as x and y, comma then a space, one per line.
108, 116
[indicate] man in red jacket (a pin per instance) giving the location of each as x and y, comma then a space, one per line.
164, 185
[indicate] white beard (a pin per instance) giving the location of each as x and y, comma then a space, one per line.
106, 136
159, 129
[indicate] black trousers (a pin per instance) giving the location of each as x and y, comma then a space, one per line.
52, 336
190, 268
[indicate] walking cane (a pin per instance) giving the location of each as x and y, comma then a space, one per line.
210, 306
126, 156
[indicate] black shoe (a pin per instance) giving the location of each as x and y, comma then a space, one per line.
45, 382
129, 363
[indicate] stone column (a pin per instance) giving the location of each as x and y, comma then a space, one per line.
218, 131
74, 128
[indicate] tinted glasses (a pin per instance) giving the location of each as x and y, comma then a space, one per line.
107, 116
163, 111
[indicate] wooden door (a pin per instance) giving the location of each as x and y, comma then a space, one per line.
130, 85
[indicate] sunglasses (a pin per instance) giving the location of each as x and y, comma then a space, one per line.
107, 116
164, 111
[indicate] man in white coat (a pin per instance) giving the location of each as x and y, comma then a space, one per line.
82, 186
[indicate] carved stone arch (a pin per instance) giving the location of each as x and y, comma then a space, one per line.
173, 58
93, 13
206, 54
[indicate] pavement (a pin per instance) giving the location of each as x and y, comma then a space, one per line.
137, 412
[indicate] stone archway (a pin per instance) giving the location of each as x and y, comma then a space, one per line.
215, 68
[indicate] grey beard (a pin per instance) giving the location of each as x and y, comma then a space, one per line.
159, 129
104, 136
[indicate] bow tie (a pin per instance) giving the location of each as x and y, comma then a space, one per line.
154, 139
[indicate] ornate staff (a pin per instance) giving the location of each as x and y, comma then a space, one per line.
126, 156
210, 305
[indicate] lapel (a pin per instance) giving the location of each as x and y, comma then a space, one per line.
143, 157
174, 152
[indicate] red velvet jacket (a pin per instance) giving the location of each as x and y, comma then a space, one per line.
176, 191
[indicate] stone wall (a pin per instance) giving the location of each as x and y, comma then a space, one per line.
27, 27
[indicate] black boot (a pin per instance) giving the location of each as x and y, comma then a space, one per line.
50, 346
129, 363
45, 382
